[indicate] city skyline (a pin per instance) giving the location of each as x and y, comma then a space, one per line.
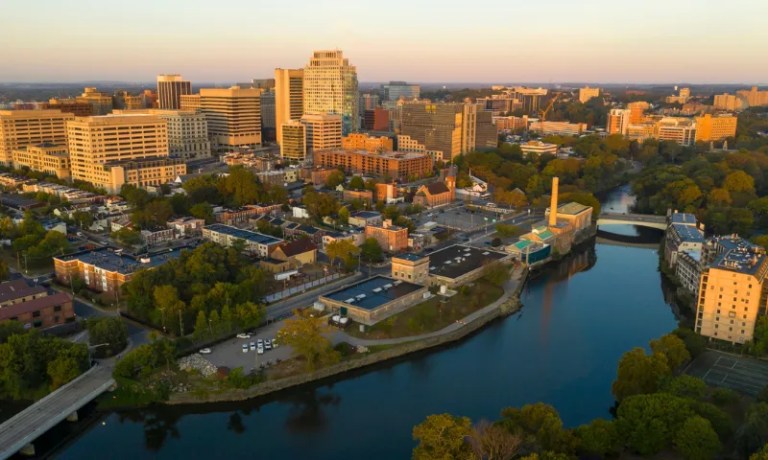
666, 42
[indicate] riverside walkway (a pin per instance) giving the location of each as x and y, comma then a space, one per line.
18, 432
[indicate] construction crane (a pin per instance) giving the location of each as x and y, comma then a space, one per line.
543, 113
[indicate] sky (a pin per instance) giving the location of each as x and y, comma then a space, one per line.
490, 41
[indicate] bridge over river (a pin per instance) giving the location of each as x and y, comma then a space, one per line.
18, 432
643, 220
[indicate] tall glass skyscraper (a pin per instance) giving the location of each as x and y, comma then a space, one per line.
330, 86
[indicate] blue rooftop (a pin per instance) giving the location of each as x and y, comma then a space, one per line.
366, 214
688, 233
247, 235
107, 259
373, 292
683, 218
738, 254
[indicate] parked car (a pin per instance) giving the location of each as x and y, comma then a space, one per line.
245, 348
260, 342
267, 344
243, 335
205, 351
260, 350
253, 346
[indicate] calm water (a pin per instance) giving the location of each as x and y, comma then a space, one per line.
562, 348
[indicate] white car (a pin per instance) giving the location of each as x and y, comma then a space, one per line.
205, 351
260, 350
245, 348
260, 342
243, 335
253, 346
267, 344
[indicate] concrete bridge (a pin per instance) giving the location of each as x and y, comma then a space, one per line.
643, 220
18, 432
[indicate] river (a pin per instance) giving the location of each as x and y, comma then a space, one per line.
562, 349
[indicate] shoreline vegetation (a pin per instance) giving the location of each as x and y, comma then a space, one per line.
131, 393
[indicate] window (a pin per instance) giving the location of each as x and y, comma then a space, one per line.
36, 314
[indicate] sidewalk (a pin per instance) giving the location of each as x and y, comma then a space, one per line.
509, 289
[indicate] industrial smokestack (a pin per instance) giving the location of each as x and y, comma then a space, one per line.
553, 203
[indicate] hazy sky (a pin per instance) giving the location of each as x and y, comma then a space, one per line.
671, 41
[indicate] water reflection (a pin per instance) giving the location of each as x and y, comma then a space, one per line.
307, 413
235, 423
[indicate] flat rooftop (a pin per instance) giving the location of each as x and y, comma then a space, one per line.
572, 208
458, 260
373, 292
738, 255
248, 235
409, 256
688, 233
109, 260
683, 218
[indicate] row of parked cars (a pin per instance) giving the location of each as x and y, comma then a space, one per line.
259, 346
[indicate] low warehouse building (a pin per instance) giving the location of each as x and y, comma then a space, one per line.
457, 264
375, 299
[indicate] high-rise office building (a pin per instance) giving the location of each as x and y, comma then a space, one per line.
529, 99
449, 128
729, 102
618, 121
394, 90
233, 115
323, 131
114, 150
189, 102
732, 289
676, 129
293, 145
715, 128
70, 105
268, 128
330, 86
169, 90
289, 97
187, 131
101, 103
376, 119
49, 158
586, 93
754, 97
19, 128
368, 102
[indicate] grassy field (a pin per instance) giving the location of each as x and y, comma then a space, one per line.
432, 315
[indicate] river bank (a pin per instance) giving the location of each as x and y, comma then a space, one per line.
507, 305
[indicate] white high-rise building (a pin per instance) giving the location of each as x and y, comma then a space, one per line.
330, 86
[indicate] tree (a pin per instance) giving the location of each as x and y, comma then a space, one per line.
762, 454
343, 215
356, 183
599, 437
492, 442
685, 386
673, 348
639, 373
648, 422
83, 219
696, 440
344, 251
739, 182
203, 211
111, 331
167, 301
201, 326
306, 336
241, 186
539, 426
496, 273
371, 250
127, 236
3, 270
62, 370
442, 436
694, 343
335, 178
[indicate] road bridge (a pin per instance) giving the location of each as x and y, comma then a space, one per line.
642, 220
18, 433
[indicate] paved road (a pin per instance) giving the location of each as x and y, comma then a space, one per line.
27, 425
285, 307
633, 217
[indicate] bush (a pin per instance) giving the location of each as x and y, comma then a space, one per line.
695, 343
724, 396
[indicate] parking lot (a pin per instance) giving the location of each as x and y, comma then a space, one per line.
230, 353
745, 375
460, 218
